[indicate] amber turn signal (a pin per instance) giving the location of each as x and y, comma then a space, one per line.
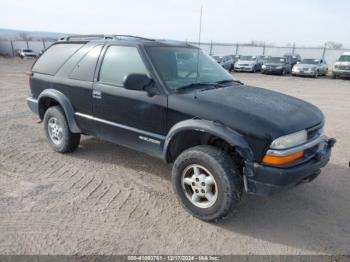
282, 160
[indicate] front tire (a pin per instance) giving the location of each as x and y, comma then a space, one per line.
206, 182
60, 138
316, 74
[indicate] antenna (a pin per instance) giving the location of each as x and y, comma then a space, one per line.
199, 41
200, 26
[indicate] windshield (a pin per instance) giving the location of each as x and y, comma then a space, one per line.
217, 58
181, 66
276, 60
310, 61
344, 58
248, 58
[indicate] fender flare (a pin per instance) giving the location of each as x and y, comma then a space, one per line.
212, 127
64, 103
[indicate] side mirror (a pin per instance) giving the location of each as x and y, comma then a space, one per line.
137, 82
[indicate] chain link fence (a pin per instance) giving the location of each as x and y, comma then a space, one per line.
328, 54
10, 47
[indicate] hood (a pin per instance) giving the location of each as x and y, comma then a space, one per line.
343, 63
249, 110
245, 62
305, 65
274, 64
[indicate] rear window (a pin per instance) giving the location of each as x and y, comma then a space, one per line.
54, 57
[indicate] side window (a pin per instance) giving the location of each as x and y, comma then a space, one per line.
54, 57
118, 62
85, 68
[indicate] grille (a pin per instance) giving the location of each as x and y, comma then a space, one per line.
344, 67
313, 131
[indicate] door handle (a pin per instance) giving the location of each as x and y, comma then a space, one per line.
97, 94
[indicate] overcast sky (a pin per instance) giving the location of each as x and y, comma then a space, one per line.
306, 22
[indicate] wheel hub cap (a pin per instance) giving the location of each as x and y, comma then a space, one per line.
199, 186
55, 130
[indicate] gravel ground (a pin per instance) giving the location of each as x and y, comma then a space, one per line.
106, 199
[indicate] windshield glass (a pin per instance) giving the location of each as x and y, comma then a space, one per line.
276, 60
248, 58
217, 58
310, 61
344, 58
181, 66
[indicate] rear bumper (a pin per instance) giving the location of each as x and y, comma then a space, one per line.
33, 105
267, 180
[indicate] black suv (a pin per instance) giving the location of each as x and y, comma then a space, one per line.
277, 65
170, 100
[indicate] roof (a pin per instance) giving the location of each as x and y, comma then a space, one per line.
125, 39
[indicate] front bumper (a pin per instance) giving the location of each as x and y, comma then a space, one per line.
265, 180
345, 73
243, 69
272, 71
303, 73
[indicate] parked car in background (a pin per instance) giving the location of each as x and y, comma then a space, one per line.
248, 64
294, 58
342, 66
235, 58
310, 67
24, 52
264, 58
225, 61
277, 65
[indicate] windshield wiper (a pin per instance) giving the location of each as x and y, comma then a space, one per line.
229, 81
199, 84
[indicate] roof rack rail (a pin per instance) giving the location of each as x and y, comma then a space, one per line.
133, 36
100, 36
85, 37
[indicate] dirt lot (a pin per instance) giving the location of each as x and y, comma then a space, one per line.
106, 199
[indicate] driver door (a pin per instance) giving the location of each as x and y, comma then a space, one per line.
127, 117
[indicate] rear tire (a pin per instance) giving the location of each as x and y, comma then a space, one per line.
206, 182
60, 138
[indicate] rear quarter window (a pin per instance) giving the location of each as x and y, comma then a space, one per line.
85, 68
54, 57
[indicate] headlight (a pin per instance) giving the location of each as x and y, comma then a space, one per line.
295, 68
263, 67
291, 140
